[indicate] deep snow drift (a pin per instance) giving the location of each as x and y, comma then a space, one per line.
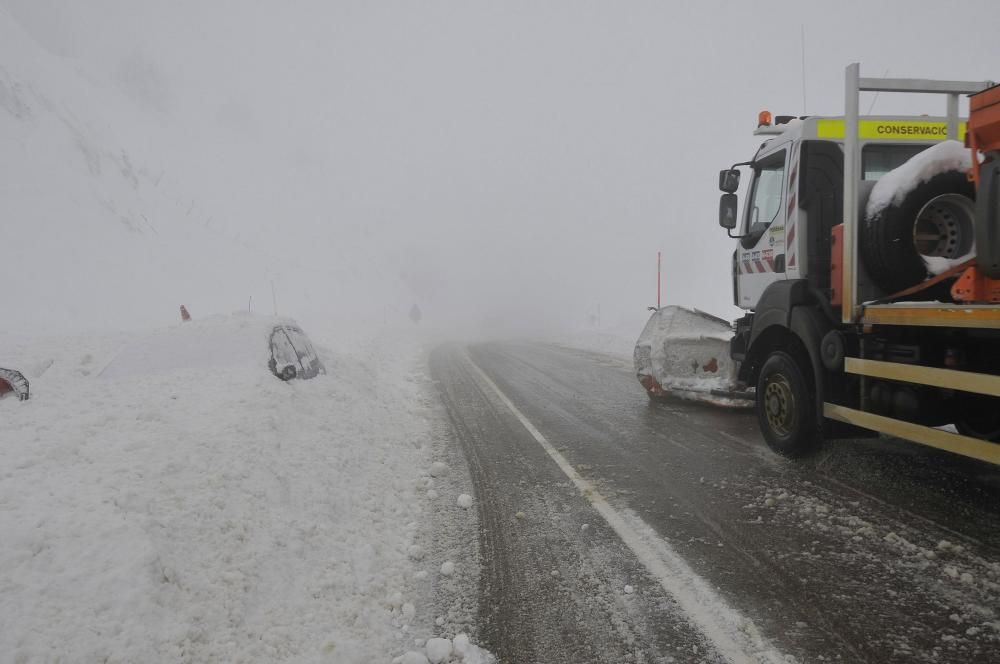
207, 511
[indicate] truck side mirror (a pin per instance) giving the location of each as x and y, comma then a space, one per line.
729, 180
728, 211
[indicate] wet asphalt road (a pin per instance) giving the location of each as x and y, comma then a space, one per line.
872, 551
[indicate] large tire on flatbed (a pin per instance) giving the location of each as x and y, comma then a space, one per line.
887, 240
786, 406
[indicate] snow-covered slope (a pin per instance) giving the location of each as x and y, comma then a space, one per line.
213, 515
95, 232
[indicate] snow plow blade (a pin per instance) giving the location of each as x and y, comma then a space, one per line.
684, 353
13, 381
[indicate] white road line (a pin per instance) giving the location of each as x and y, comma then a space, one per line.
734, 636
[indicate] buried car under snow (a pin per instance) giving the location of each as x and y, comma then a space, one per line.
13, 382
218, 342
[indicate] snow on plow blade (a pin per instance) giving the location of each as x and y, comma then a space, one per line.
13, 381
685, 353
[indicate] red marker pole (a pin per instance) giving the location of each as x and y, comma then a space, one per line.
658, 281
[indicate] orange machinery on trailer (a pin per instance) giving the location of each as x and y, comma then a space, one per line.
983, 137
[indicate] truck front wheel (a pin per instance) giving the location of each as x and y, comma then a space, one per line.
786, 408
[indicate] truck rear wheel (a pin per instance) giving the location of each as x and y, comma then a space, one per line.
786, 406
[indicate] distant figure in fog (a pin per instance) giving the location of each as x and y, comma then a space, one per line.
415, 314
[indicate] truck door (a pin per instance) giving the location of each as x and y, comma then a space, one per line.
760, 255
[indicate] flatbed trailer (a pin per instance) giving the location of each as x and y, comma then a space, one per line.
936, 314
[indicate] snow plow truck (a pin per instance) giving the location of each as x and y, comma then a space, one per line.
868, 264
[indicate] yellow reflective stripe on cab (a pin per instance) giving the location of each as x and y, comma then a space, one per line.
894, 130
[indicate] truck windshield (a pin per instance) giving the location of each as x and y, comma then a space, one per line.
765, 197
877, 160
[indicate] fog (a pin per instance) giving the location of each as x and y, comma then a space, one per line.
510, 167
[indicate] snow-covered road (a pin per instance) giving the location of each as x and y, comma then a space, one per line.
619, 530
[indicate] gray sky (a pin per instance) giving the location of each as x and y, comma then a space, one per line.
516, 162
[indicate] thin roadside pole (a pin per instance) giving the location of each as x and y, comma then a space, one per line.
659, 280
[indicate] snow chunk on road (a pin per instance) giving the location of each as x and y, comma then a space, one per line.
469, 653
465, 501
438, 650
461, 644
409, 611
448, 568
439, 469
412, 657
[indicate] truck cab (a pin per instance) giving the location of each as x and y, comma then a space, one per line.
794, 196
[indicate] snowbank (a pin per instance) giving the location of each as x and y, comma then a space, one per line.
222, 515
216, 342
